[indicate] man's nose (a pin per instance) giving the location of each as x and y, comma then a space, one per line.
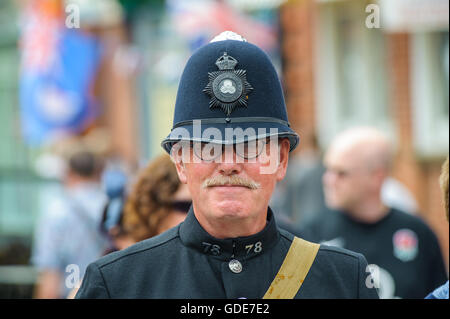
230, 163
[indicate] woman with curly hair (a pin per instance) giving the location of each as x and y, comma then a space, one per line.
158, 201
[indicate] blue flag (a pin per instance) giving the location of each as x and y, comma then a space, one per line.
55, 95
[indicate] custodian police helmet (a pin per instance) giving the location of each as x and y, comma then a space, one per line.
229, 84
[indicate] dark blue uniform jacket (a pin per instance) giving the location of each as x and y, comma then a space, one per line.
186, 262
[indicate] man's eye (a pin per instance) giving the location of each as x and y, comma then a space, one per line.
250, 149
207, 151
342, 173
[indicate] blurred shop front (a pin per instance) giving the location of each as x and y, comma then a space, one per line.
63, 87
343, 66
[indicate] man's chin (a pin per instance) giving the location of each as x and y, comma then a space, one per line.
332, 204
231, 209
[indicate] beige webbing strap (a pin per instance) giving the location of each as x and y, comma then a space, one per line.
293, 271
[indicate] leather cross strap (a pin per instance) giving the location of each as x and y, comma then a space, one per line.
293, 271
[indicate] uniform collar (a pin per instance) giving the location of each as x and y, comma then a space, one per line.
193, 235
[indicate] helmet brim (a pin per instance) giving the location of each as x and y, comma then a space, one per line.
230, 133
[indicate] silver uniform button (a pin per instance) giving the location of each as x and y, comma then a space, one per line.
235, 266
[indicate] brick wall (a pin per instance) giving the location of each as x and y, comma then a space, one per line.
297, 23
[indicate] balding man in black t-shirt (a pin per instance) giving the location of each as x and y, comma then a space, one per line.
403, 253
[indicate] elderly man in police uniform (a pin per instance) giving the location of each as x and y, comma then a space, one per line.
230, 141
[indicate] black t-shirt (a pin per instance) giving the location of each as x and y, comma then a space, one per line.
406, 254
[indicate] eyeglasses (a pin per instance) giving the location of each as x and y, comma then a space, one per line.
246, 150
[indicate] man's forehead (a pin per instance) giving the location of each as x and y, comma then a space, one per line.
341, 158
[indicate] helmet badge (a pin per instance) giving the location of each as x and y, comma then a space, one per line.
228, 88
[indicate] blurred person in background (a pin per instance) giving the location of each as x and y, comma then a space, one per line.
299, 197
67, 233
157, 202
115, 184
404, 254
442, 291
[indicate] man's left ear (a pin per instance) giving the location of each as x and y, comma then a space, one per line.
284, 158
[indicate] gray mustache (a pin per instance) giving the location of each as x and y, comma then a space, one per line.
230, 180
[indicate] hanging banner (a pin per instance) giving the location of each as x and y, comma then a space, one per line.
58, 68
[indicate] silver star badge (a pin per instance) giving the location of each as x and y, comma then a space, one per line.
228, 88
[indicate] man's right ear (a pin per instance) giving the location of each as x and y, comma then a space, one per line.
176, 154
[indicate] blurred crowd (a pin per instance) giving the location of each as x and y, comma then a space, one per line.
108, 198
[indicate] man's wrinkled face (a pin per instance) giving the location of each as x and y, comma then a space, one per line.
231, 186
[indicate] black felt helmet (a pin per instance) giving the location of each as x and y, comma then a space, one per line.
229, 93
